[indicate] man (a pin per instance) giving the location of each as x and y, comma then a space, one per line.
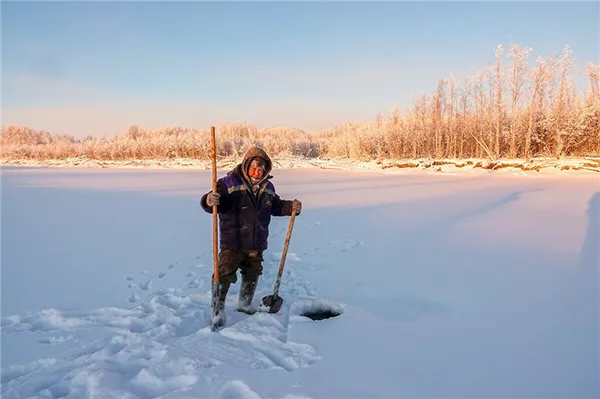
246, 200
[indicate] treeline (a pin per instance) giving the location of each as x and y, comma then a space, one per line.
510, 109
19, 142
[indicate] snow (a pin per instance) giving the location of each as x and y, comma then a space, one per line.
448, 285
536, 166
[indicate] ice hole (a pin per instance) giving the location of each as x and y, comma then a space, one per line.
317, 309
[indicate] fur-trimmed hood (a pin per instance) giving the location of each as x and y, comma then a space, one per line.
242, 168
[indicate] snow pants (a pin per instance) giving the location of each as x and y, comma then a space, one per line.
248, 262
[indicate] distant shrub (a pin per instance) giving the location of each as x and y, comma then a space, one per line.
500, 112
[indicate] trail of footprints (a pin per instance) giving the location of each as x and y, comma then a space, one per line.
145, 283
174, 323
257, 342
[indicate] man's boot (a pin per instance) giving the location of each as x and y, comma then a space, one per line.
247, 290
219, 295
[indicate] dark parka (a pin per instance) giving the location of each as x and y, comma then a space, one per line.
244, 216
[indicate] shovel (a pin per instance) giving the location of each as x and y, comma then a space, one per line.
273, 303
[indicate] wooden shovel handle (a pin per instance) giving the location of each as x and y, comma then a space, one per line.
285, 250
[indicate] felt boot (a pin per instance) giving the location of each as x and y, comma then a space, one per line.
219, 294
247, 291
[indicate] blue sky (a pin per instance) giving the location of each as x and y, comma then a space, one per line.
94, 68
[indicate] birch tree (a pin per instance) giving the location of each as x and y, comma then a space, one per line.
519, 75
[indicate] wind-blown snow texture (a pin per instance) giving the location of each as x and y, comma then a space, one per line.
481, 285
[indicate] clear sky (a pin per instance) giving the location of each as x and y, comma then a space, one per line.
94, 68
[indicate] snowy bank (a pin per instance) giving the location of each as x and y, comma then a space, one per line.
537, 165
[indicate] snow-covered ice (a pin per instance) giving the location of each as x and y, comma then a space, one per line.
468, 285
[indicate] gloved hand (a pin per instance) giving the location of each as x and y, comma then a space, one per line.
213, 199
296, 207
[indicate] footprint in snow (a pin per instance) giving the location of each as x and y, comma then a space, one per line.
350, 244
55, 340
276, 257
345, 245
193, 284
131, 280
165, 272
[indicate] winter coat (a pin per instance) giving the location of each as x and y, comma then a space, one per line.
244, 216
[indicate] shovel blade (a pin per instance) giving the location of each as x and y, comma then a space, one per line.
273, 303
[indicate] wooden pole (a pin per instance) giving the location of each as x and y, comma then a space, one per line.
214, 208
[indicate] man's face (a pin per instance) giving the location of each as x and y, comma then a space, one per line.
257, 168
